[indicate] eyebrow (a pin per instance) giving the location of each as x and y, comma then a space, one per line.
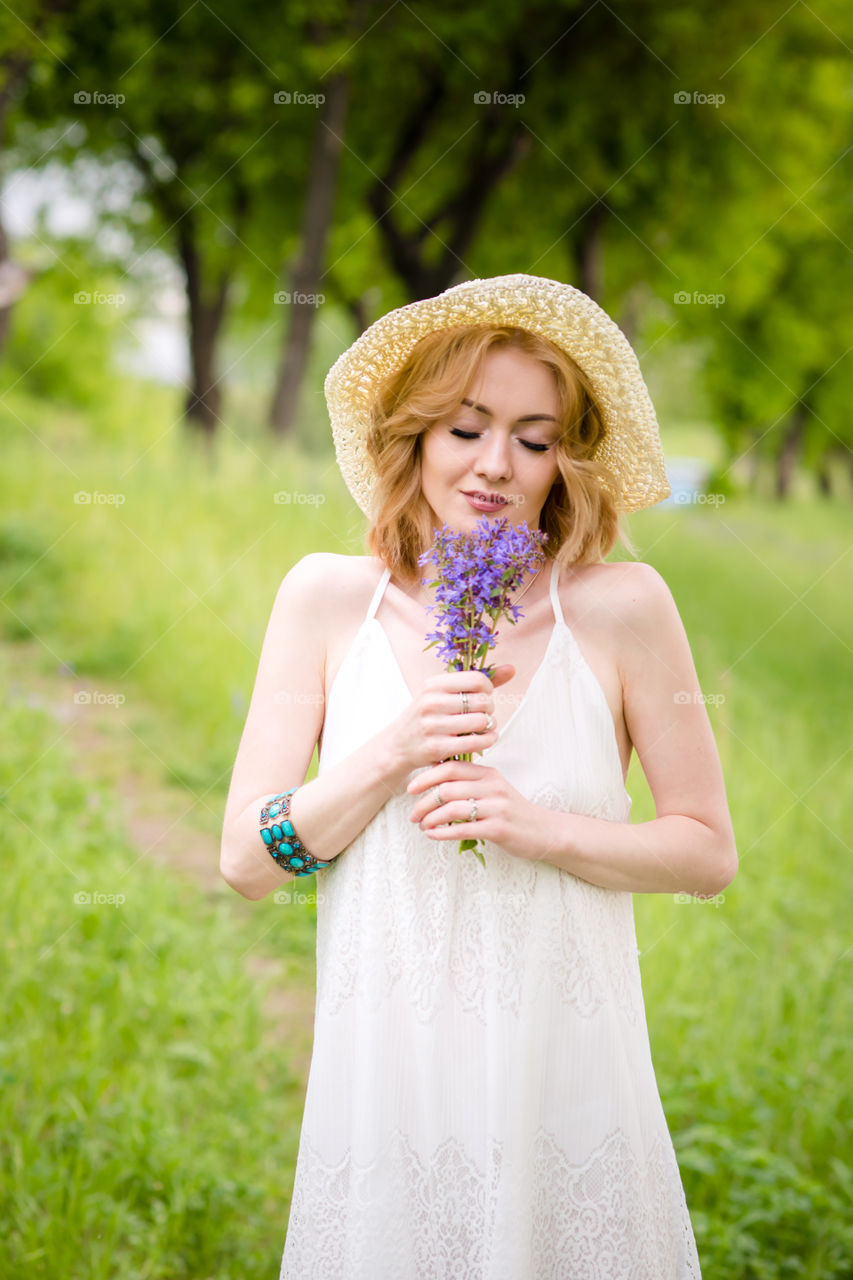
531, 417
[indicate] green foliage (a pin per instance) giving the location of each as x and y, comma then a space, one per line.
149, 1126
741, 195
64, 333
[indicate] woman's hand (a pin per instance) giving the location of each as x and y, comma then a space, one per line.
504, 816
434, 726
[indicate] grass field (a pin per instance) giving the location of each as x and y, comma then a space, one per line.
150, 1121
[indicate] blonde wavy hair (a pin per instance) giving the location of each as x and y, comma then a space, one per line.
580, 514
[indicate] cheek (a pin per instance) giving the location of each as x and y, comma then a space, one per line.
441, 458
546, 478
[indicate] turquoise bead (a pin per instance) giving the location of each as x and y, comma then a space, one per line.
266, 836
277, 831
297, 862
287, 829
274, 809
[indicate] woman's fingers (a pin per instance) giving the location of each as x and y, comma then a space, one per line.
439, 773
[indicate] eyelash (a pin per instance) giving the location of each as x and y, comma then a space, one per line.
471, 435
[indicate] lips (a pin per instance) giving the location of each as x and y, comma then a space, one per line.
486, 499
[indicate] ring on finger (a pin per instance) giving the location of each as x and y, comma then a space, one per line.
473, 804
438, 799
464, 697
490, 723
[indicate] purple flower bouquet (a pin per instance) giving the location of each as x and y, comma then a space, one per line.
477, 573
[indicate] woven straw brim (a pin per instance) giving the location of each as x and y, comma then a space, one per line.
630, 445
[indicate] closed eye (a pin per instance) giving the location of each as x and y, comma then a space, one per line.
472, 435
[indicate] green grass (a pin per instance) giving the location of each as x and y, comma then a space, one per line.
152, 1132
150, 1126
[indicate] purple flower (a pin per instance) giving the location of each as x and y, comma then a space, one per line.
478, 572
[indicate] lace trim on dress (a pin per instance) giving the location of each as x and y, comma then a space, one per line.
615, 1217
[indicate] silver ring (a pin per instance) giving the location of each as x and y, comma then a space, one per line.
490, 723
473, 804
464, 697
438, 799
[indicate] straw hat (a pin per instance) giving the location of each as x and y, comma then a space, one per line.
630, 445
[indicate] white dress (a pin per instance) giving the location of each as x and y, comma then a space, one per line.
481, 1102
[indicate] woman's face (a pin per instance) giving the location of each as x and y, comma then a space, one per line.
500, 444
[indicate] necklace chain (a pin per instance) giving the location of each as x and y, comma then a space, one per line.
527, 585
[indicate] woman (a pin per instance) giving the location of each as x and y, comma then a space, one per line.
482, 1101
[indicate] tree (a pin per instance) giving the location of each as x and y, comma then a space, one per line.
189, 101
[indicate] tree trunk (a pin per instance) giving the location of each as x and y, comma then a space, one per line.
308, 274
206, 314
823, 475
753, 466
791, 446
500, 147
589, 252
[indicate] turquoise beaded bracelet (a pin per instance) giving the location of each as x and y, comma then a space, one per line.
282, 841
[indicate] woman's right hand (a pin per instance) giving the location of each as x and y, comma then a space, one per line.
434, 728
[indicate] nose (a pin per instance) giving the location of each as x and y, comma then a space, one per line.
493, 457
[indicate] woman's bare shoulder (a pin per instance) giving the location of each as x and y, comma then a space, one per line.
625, 589
329, 582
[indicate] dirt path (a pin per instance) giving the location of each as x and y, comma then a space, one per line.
165, 822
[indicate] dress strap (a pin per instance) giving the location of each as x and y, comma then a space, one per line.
378, 594
555, 595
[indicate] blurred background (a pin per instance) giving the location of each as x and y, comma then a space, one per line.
201, 206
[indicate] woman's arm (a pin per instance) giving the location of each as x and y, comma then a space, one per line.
690, 845
282, 727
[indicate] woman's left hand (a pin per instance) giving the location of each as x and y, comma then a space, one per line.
504, 816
